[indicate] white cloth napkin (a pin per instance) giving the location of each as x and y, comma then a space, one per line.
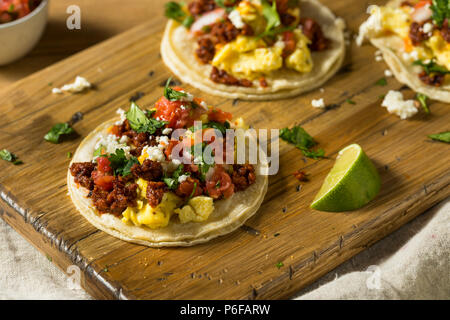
411, 263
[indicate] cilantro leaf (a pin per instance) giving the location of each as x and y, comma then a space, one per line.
120, 164
174, 10
10, 157
423, 102
431, 67
302, 140
271, 14
172, 182
57, 131
171, 94
441, 11
442, 137
279, 264
139, 121
225, 4
381, 82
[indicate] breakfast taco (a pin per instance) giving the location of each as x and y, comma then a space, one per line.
253, 49
141, 178
414, 38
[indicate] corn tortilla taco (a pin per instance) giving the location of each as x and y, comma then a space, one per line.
124, 177
414, 38
253, 49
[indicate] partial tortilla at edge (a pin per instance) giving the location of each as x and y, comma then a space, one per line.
405, 73
228, 215
178, 53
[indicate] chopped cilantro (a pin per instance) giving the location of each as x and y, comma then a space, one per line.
441, 11
10, 157
423, 102
221, 3
57, 131
302, 140
174, 10
171, 94
271, 14
69, 155
431, 67
140, 122
381, 82
350, 101
172, 182
279, 265
442, 137
120, 164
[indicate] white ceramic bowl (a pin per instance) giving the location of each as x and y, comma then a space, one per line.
19, 37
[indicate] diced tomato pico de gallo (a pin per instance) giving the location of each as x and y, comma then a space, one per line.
11, 10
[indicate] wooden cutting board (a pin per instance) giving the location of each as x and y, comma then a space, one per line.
414, 170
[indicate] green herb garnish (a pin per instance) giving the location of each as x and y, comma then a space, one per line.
69, 155
271, 14
11, 8
172, 182
10, 157
140, 122
423, 102
431, 67
442, 137
302, 140
57, 131
175, 11
171, 94
441, 11
381, 82
279, 265
350, 101
221, 3
120, 164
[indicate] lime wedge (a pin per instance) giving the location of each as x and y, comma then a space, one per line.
351, 183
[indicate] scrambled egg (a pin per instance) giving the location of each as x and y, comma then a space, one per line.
250, 58
300, 59
440, 49
398, 21
144, 214
198, 209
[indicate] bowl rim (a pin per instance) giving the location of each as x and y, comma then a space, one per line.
39, 8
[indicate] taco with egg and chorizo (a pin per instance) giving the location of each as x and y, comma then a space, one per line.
137, 179
253, 49
414, 39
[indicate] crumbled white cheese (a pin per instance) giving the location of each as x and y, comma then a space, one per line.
378, 58
394, 103
79, 85
154, 153
427, 27
189, 97
318, 103
204, 105
372, 26
124, 139
388, 73
411, 56
182, 178
167, 131
163, 142
111, 143
122, 115
236, 19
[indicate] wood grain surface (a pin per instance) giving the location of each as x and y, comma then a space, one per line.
242, 265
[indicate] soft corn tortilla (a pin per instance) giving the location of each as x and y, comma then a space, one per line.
228, 215
178, 53
391, 47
